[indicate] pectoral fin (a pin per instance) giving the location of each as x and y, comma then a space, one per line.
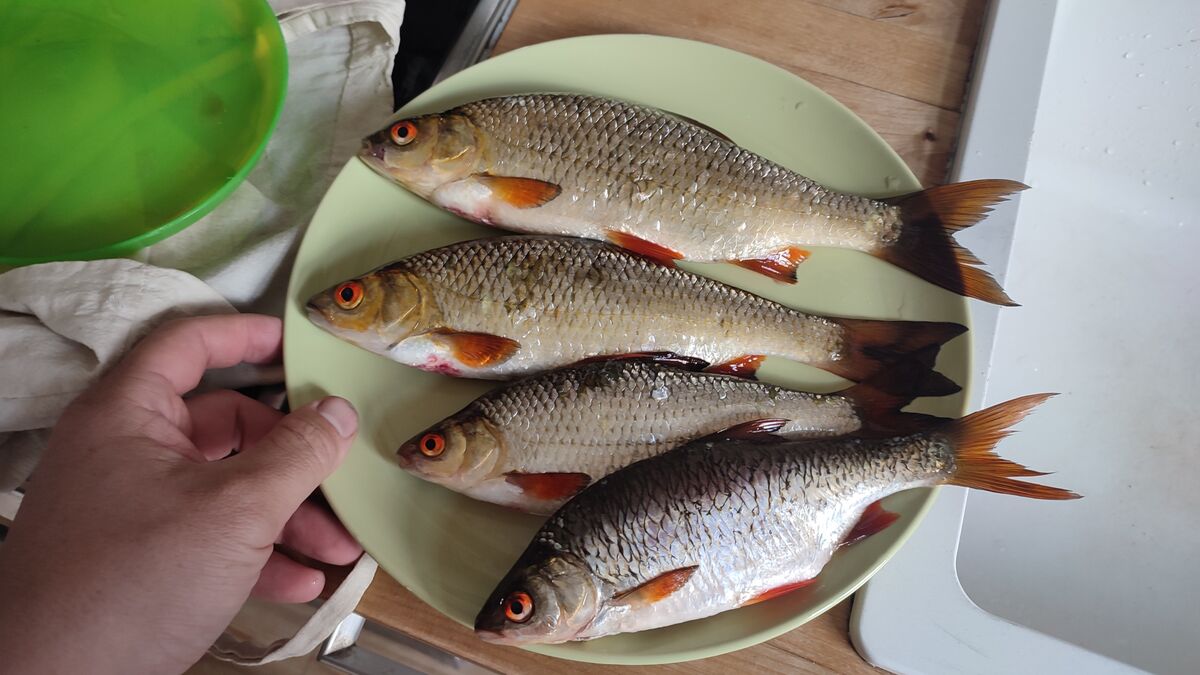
657, 588
478, 349
520, 193
549, 486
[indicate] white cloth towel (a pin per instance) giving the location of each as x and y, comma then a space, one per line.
63, 324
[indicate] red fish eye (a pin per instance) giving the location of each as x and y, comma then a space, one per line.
403, 133
348, 295
518, 607
432, 445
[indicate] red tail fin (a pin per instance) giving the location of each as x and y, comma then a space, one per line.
870, 346
926, 247
976, 463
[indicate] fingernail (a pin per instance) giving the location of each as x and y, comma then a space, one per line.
338, 412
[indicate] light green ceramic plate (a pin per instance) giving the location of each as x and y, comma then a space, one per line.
450, 550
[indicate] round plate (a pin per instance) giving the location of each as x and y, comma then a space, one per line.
126, 121
450, 550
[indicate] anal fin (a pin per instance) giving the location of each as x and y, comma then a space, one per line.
778, 591
874, 519
780, 266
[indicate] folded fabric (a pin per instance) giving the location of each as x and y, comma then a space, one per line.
62, 325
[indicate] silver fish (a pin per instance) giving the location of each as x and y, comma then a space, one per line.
536, 442
664, 185
713, 526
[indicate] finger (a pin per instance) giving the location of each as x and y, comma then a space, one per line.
285, 580
179, 352
296, 455
316, 533
221, 421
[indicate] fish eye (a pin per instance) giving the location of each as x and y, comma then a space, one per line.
348, 295
432, 445
518, 607
403, 132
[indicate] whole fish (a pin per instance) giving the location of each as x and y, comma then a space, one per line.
505, 306
667, 186
712, 526
535, 443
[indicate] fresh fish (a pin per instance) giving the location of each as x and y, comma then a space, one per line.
666, 186
536, 442
495, 308
712, 526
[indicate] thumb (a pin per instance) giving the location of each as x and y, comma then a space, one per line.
299, 452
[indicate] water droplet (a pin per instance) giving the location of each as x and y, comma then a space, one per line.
1146, 36
1143, 107
1128, 55
890, 182
1179, 224
1177, 142
660, 393
1141, 74
1108, 150
1147, 184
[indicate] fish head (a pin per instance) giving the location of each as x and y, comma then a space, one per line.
375, 311
459, 452
423, 153
548, 597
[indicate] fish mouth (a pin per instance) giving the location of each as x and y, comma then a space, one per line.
404, 458
318, 317
371, 149
497, 637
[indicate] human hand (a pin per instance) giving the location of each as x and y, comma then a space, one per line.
134, 547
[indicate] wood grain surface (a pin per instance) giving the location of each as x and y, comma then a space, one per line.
902, 67
819, 646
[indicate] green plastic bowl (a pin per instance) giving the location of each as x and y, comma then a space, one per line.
124, 121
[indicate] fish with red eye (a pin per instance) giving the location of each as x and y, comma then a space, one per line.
403, 132
349, 295
432, 444
518, 607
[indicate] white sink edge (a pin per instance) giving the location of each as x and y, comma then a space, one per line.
943, 630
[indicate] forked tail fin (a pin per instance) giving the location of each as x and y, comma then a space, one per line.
870, 346
879, 400
927, 247
976, 464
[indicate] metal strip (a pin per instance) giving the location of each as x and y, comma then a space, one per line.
478, 37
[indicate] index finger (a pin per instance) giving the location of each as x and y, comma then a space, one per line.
182, 350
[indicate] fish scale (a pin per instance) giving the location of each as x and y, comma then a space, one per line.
701, 183
553, 273
713, 491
